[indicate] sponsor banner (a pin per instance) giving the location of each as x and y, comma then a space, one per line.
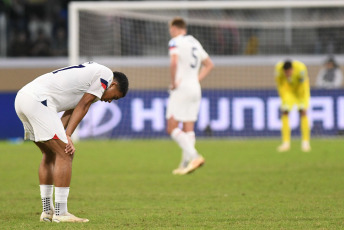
10, 125
232, 113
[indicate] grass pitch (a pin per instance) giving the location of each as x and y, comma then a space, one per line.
244, 184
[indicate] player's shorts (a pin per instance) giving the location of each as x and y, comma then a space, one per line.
184, 103
290, 100
40, 122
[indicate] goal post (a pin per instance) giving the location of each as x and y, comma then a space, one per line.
75, 7
245, 39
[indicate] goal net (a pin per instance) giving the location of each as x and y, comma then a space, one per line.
245, 39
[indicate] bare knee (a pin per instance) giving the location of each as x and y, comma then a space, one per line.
48, 158
302, 112
58, 148
188, 126
171, 125
285, 113
169, 130
65, 156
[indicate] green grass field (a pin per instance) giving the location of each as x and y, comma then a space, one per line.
245, 184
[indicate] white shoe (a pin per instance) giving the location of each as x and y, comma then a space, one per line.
183, 164
305, 147
285, 146
47, 216
193, 165
67, 217
178, 171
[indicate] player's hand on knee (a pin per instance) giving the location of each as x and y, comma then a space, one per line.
70, 149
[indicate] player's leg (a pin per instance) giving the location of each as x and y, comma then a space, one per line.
26, 108
285, 132
188, 128
43, 125
196, 160
183, 106
174, 106
191, 134
303, 105
288, 101
46, 181
61, 169
46, 167
62, 174
305, 131
62, 177
192, 138
182, 140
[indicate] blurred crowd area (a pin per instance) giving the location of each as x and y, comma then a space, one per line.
39, 28
35, 27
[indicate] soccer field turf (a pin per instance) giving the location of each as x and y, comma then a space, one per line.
245, 184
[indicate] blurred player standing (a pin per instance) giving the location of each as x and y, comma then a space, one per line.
189, 64
72, 89
293, 88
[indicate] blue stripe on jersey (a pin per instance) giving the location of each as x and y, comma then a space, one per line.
104, 83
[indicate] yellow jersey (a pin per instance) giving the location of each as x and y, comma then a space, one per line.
294, 89
297, 83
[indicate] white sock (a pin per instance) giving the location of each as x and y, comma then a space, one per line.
192, 137
184, 143
47, 197
61, 197
185, 158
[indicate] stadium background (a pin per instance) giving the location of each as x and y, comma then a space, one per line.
34, 41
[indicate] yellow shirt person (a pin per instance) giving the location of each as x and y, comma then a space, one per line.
293, 88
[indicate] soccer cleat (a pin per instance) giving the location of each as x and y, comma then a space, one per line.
193, 165
47, 217
305, 147
183, 164
67, 217
285, 146
178, 171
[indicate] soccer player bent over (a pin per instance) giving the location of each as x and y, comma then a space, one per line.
72, 89
189, 64
293, 88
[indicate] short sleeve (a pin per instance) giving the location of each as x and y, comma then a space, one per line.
277, 71
203, 54
172, 47
101, 82
302, 76
303, 73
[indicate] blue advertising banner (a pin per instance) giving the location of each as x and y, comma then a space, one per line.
10, 125
232, 113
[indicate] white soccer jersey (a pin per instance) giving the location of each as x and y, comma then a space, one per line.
184, 101
62, 89
190, 55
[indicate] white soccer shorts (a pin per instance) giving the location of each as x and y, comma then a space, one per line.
184, 103
40, 122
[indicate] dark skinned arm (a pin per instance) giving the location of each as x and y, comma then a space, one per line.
79, 112
65, 117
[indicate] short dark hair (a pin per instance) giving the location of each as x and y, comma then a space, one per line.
178, 22
122, 80
287, 65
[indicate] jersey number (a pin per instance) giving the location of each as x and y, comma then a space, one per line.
70, 67
193, 65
